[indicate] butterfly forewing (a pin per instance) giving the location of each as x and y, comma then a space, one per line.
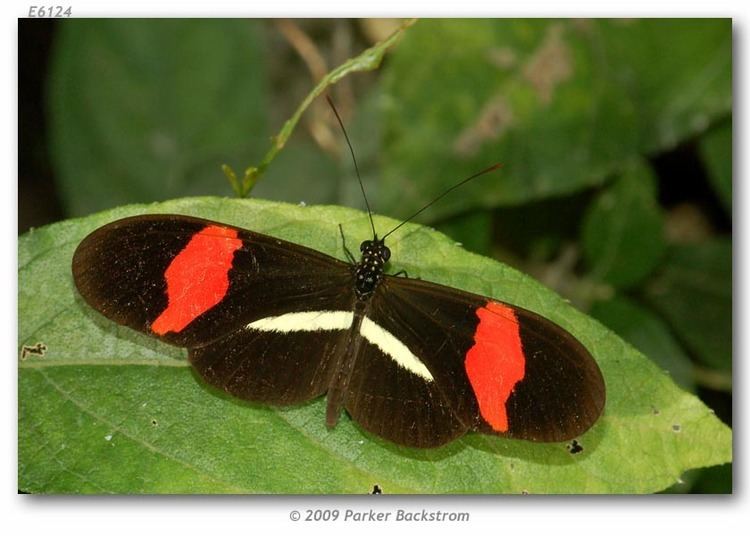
499, 368
562, 393
191, 281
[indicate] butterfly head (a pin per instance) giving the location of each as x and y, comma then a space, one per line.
376, 249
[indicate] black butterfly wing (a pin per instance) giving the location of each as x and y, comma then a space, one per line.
190, 281
493, 368
274, 367
200, 284
394, 403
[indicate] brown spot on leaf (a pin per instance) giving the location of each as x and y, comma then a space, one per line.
493, 121
550, 64
502, 57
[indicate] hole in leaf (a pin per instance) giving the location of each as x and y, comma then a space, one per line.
39, 349
575, 447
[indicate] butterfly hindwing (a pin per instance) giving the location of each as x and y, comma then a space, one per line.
394, 403
274, 367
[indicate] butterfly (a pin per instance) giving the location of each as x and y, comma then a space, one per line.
414, 362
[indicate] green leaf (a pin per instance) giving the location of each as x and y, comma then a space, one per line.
562, 103
623, 229
693, 292
716, 150
108, 410
677, 94
143, 110
648, 333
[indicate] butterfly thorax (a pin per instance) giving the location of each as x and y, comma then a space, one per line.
369, 271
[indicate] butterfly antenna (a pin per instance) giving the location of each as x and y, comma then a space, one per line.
356, 167
438, 198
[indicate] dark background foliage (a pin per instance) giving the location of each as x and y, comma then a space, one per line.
616, 140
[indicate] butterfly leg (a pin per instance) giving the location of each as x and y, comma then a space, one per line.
405, 274
349, 255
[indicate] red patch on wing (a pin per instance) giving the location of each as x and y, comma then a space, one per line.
496, 362
197, 278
